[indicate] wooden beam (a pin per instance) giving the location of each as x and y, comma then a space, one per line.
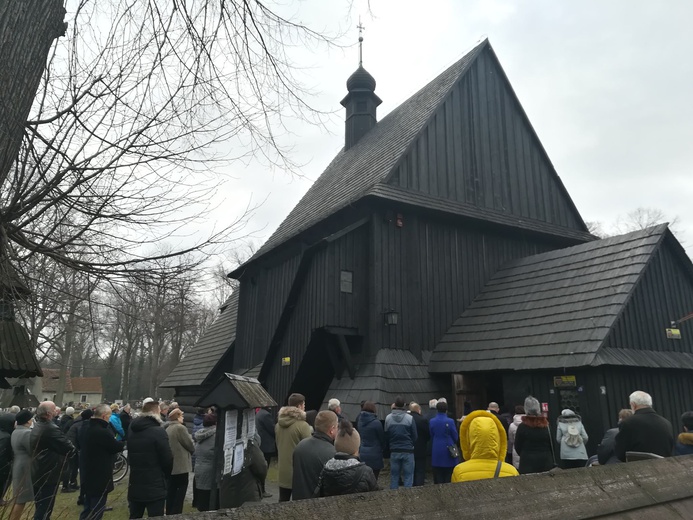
344, 347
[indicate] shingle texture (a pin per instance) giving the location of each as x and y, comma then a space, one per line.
87, 385
353, 172
17, 358
216, 340
382, 378
49, 381
550, 310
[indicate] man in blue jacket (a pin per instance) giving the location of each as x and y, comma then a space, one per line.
400, 436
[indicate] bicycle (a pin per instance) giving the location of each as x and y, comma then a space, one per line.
120, 466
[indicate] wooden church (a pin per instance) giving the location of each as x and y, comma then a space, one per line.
439, 254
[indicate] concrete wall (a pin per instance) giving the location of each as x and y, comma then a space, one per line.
648, 489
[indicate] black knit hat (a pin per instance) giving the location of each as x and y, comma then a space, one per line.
23, 417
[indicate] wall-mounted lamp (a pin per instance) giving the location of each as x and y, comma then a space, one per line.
391, 317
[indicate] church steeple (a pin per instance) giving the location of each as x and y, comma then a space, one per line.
361, 102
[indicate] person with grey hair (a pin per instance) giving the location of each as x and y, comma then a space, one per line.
646, 431
432, 411
533, 440
50, 447
334, 405
98, 447
14, 409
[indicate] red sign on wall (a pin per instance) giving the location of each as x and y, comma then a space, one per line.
544, 407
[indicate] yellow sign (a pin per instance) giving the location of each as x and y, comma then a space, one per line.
673, 334
286, 361
564, 381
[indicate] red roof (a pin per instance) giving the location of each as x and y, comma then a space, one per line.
50, 380
87, 385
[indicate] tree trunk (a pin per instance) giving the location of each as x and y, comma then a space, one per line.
27, 31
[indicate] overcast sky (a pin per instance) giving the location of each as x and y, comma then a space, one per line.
606, 85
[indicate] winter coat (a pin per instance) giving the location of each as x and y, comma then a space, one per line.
578, 452
50, 449
197, 423
264, 424
684, 444
400, 431
22, 487
310, 457
150, 457
182, 447
645, 431
6, 428
484, 444
606, 451
125, 420
247, 485
204, 457
97, 453
291, 429
117, 426
344, 474
512, 431
443, 434
423, 435
533, 445
372, 440
65, 423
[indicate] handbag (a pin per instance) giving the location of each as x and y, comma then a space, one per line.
453, 450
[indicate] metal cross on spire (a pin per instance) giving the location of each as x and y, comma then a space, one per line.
361, 28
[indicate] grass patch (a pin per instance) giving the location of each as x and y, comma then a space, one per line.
66, 507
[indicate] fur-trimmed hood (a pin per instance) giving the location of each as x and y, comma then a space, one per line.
568, 419
686, 438
205, 433
288, 415
535, 421
144, 421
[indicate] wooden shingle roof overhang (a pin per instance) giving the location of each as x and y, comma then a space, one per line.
17, 356
199, 363
551, 310
236, 392
440, 205
383, 377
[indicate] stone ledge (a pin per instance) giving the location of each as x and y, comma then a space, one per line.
646, 489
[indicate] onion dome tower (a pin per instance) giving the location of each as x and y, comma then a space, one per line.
361, 102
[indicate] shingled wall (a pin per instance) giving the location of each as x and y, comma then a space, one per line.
648, 489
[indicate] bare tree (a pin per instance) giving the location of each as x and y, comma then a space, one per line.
119, 146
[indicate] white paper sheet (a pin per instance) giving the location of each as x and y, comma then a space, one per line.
250, 418
238, 459
228, 461
230, 433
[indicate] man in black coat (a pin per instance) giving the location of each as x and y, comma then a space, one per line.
51, 448
312, 453
264, 424
98, 447
125, 418
151, 463
423, 431
645, 431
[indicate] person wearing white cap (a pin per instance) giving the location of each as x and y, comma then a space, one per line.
147, 400
571, 436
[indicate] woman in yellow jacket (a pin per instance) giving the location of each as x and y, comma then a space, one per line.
484, 446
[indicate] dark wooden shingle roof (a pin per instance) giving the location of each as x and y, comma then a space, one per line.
550, 310
216, 340
354, 172
17, 357
382, 378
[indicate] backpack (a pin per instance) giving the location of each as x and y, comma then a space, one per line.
573, 437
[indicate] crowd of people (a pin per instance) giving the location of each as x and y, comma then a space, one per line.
319, 453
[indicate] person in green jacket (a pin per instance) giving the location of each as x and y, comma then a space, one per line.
291, 429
